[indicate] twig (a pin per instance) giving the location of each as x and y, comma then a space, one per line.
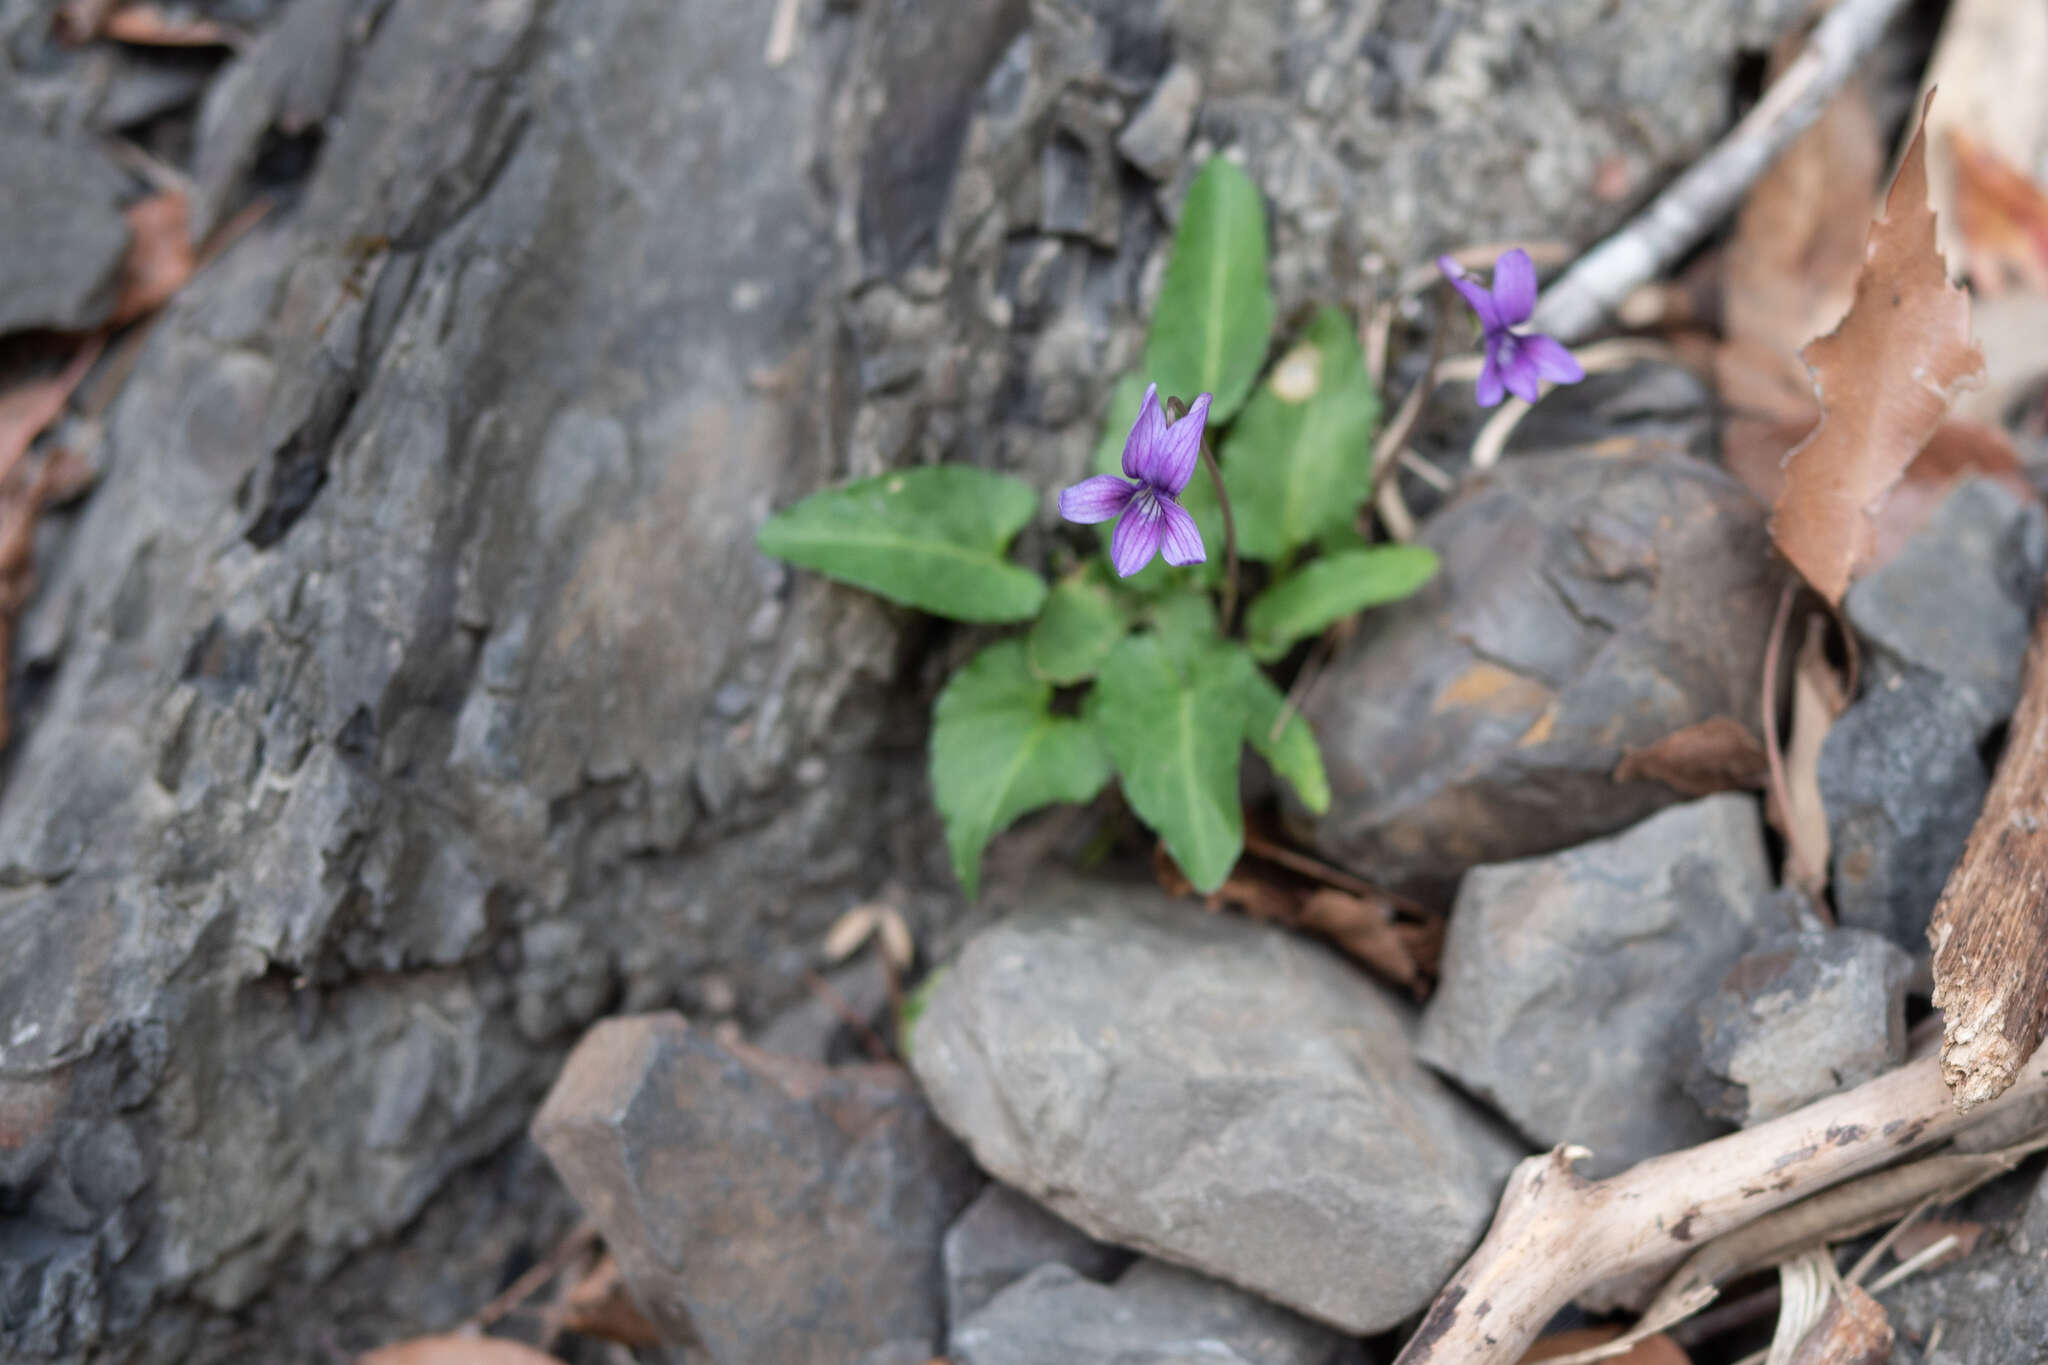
1304, 683
1990, 929
781, 33
1571, 308
1556, 1233
1394, 439
877, 1049
1867, 1262
1600, 358
1927, 1256
580, 1238
1258, 845
1228, 607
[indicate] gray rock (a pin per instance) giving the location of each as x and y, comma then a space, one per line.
770, 1209
1801, 1016
1154, 1315
1586, 606
1992, 1306
1004, 1236
1958, 600
1569, 981
61, 221
1213, 1092
1158, 133
1902, 778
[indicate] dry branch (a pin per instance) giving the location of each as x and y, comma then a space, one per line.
1557, 1233
1990, 929
1706, 193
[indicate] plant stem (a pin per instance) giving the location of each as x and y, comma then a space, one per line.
1175, 410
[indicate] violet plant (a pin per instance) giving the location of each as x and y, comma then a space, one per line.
1136, 667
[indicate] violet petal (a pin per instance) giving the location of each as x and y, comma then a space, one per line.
1475, 294
1518, 370
1137, 536
1180, 452
1514, 287
1181, 542
1552, 360
1489, 391
1097, 499
1148, 433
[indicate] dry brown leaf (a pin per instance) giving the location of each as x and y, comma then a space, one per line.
27, 410
1716, 755
1926, 1233
1991, 65
2002, 216
1656, 1350
1958, 450
1818, 699
600, 1305
1886, 377
456, 1350
1853, 1331
146, 25
160, 255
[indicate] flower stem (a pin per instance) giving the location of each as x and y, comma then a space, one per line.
1175, 410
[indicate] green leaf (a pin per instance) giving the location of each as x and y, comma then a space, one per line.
1081, 623
912, 1008
1326, 590
1199, 498
1298, 462
1215, 309
1176, 733
998, 752
1293, 753
1185, 624
931, 538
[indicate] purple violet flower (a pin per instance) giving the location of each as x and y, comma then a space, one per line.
1515, 361
1160, 459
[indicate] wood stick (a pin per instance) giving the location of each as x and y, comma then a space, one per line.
1557, 1233
1990, 928
1678, 218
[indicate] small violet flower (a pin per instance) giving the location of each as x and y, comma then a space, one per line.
1515, 361
1160, 459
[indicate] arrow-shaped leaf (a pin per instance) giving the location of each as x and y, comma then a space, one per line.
1327, 590
1215, 309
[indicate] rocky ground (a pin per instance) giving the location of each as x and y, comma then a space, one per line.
406, 695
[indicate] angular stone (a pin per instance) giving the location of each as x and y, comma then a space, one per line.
1569, 981
1902, 778
1158, 133
64, 234
1587, 605
771, 1209
1154, 1313
1992, 1306
1958, 600
1801, 1016
1004, 1236
1215, 1093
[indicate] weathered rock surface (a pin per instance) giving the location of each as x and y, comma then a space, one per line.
1586, 606
1004, 1236
62, 225
1213, 1092
1154, 1313
771, 1209
1992, 1305
1902, 772
1801, 1016
408, 693
1569, 981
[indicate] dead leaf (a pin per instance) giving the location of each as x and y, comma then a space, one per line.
1818, 698
456, 1350
1886, 376
1991, 65
28, 409
1790, 273
1716, 755
146, 25
600, 1305
1852, 1331
160, 255
871, 920
1928, 1232
2002, 216
1404, 953
1958, 450
1656, 1350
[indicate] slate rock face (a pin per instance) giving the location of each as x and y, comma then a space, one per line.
1586, 606
1802, 1016
1155, 1313
1902, 772
1569, 981
1992, 1305
1212, 1092
1002, 1237
61, 221
771, 1209
408, 693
